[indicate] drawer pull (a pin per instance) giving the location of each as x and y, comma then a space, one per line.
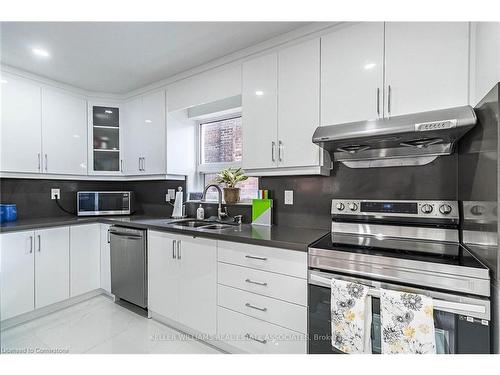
248, 336
255, 307
255, 257
255, 282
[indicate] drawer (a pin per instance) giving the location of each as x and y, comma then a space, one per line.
250, 335
285, 314
286, 288
287, 262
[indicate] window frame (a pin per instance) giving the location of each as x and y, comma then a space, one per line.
206, 168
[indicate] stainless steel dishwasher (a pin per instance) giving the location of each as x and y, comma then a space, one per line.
129, 277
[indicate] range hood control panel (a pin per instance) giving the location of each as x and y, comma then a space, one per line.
398, 208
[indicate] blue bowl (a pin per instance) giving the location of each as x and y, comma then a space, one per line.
8, 212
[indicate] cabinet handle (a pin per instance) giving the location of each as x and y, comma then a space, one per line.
255, 282
140, 164
46, 163
109, 236
144, 164
248, 336
273, 151
389, 95
121, 165
179, 249
255, 257
31, 244
255, 307
378, 101
39, 243
39, 162
174, 242
280, 151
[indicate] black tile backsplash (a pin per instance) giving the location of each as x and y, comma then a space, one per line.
313, 194
32, 196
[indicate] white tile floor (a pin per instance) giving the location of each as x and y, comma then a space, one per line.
99, 326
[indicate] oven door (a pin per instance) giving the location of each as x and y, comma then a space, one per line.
461, 323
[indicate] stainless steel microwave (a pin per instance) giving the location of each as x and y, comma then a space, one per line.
94, 203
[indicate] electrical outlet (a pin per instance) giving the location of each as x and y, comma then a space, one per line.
171, 194
288, 196
55, 194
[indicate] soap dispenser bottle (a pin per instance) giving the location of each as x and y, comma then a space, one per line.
200, 213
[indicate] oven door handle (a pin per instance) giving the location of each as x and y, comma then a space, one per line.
476, 310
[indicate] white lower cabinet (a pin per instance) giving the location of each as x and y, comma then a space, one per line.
182, 273
85, 253
262, 299
105, 258
282, 313
34, 270
17, 272
163, 275
51, 250
284, 287
250, 335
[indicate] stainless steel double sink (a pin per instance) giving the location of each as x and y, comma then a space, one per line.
201, 225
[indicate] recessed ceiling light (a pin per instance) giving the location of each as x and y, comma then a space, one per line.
108, 111
40, 52
369, 66
148, 121
259, 92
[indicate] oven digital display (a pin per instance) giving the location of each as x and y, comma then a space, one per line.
389, 207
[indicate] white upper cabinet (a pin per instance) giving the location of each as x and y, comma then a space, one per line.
64, 133
426, 66
132, 121
20, 125
352, 73
145, 134
51, 266
298, 104
154, 133
260, 112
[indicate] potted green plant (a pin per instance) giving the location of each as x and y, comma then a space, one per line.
231, 177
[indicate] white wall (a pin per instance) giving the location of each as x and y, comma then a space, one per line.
181, 147
204, 88
485, 61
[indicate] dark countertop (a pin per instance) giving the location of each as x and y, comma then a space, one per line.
275, 236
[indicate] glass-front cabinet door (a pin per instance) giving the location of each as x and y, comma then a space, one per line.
105, 151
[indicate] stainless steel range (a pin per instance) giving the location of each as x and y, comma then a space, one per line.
402, 245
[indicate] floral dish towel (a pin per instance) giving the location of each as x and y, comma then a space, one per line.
407, 323
351, 317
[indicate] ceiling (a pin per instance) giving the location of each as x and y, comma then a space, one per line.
118, 57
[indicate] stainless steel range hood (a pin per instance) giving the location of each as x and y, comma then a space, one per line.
414, 139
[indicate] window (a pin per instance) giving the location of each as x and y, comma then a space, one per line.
221, 147
221, 141
248, 188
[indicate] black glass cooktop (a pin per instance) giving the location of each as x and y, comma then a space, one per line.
426, 251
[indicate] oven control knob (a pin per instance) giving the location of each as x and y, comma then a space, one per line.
340, 206
445, 209
426, 208
353, 206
